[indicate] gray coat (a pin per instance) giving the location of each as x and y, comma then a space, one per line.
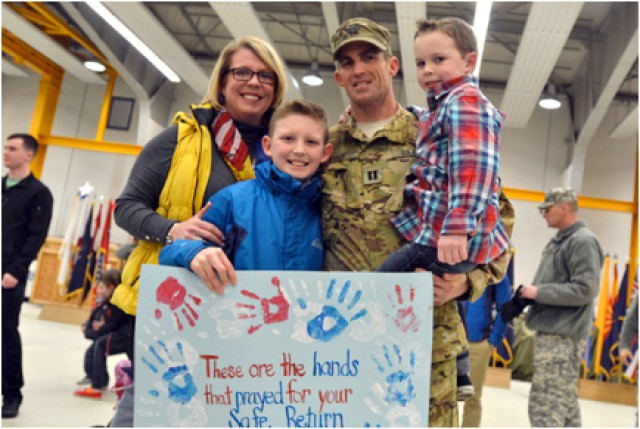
568, 280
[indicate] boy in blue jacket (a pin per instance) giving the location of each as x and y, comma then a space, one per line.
273, 221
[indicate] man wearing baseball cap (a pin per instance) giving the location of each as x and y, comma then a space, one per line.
363, 188
563, 292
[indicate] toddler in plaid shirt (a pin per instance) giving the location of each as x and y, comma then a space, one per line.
452, 220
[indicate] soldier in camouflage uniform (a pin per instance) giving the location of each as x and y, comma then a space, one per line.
565, 285
363, 188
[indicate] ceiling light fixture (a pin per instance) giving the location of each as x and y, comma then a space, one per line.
480, 27
549, 99
124, 31
312, 78
95, 66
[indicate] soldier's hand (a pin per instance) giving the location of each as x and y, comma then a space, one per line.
8, 281
448, 287
452, 248
529, 291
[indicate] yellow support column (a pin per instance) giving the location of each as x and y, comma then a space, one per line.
43, 114
106, 104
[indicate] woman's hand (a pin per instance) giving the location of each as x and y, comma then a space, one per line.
195, 228
214, 268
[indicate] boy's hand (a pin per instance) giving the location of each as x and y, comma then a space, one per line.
452, 249
195, 228
214, 268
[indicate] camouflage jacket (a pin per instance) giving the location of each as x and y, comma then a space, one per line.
362, 188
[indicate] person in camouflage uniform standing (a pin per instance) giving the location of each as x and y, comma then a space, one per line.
565, 285
363, 188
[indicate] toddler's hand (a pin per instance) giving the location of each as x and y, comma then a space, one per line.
214, 268
97, 324
452, 249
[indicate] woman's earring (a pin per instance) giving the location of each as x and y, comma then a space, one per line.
221, 99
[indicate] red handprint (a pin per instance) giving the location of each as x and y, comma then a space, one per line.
280, 304
405, 318
170, 292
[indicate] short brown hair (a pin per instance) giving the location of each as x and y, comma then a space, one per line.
29, 142
304, 108
110, 277
460, 31
262, 50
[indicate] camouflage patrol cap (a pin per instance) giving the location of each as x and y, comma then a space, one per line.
558, 195
361, 30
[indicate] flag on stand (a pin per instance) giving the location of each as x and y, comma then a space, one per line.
69, 246
91, 262
597, 338
102, 244
78, 277
609, 355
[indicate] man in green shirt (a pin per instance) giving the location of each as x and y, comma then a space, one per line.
26, 214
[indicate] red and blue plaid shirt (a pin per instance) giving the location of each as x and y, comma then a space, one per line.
456, 186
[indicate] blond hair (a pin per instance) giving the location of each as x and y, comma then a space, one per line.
460, 31
262, 50
304, 108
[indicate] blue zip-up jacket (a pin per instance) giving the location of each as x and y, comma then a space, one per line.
479, 314
269, 223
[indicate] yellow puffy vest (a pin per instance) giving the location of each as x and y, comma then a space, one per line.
180, 199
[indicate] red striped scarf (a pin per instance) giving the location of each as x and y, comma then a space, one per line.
229, 140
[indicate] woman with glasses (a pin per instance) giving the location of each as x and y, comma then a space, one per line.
218, 143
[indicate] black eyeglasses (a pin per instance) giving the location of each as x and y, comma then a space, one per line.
244, 74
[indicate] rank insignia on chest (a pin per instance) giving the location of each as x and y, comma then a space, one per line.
372, 176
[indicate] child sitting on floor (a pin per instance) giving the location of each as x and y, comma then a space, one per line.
105, 340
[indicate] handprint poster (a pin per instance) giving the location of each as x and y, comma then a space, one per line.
283, 349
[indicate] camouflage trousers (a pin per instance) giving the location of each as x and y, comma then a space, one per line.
443, 405
553, 400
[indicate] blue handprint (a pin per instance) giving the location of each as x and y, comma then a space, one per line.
316, 326
178, 393
400, 387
